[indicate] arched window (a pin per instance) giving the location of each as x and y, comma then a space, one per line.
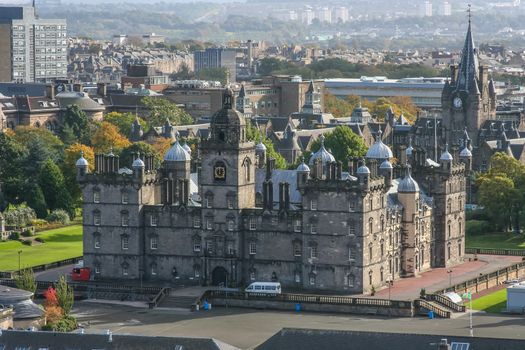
370, 251
449, 205
247, 165
370, 226
382, 223
449, 229
382, 248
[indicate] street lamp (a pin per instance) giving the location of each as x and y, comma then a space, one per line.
449, 271
19, 269
468, 296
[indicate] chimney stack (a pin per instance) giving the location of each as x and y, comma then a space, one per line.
50, 91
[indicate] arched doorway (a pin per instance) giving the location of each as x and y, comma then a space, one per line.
219, 276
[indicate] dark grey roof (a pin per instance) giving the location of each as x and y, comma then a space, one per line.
306, 339
26, 89
77, 341
21, 301
279, 176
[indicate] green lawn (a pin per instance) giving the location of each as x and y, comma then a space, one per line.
62, 243
492, 303
496, 240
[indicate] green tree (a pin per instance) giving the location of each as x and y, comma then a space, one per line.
25, 280
253, 134
162, 109
65, 296
11, 168
495, 195
126, 157
35, 199
343, 144
123, 121
184, 73
76, 122
51, 181
52, 144
501, 192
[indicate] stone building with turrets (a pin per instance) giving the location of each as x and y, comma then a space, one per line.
238, 219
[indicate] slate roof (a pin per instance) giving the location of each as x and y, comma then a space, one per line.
306, 339
76, 341
279, 176
80, 99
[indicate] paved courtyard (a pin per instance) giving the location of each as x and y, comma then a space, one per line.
436, 279
246, 329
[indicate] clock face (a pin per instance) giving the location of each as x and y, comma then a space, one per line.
219, 172
457, 102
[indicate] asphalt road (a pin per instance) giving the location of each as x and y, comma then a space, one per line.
246, 329
54, 274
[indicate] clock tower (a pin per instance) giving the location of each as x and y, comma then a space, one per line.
228, 160
469, 98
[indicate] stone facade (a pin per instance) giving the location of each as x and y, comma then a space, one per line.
240, 220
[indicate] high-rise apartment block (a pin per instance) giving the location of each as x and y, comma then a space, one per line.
425, 9
445, 9
216, 58
340, 14
33, 49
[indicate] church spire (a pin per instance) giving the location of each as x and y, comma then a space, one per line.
469, 65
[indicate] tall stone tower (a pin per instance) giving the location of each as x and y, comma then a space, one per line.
469, 99
227, 186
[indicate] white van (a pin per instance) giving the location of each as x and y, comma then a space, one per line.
272, 288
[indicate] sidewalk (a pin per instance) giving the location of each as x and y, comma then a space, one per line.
409, 288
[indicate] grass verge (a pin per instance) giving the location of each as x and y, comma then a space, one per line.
60, 244
491, 303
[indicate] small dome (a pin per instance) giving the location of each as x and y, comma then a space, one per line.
260, 146
187, 148
446, 156
386, 165
379, 150
363, 169
323, 154
138, 163
408, 184
177, 154
82, 162
303, 168
465, 153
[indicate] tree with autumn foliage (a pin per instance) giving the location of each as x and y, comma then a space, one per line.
108, 137
69, 169
57, 307
162, 145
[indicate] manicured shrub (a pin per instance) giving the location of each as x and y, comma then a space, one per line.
40, 239
28, 242
60, 216
15, 236
27, 233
